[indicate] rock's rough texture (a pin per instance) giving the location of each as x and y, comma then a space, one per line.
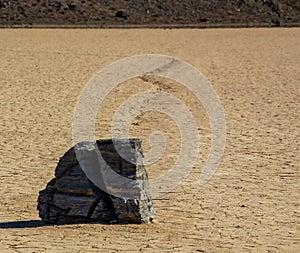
71, 197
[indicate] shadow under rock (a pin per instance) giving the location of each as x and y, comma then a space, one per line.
23, 224
39, 223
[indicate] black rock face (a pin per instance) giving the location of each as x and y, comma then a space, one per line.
71, 197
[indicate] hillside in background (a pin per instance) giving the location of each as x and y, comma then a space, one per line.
150, 12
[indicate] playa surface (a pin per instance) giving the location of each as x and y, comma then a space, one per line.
252, 202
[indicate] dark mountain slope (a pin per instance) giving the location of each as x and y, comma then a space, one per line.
149, 12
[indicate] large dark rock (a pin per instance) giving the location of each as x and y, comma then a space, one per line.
72, 197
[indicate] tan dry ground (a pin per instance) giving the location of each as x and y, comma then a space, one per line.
252, 202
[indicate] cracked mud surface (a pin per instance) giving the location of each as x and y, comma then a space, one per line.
252, 202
